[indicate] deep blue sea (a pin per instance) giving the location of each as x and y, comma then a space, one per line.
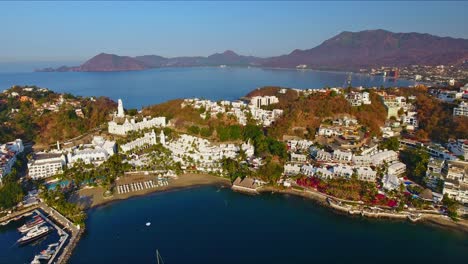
143, 88
207, 225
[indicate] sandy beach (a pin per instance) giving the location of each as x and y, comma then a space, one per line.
92, 197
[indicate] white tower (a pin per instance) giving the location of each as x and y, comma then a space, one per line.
153, 137
162, 138
120, 109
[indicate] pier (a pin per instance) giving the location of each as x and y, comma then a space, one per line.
63, 236
55, 219
75, 233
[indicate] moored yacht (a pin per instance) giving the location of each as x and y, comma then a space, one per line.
34, 234
36, 221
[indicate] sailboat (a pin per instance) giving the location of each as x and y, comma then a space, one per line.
159, 259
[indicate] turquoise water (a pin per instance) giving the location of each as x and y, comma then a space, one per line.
207, 225
143, 88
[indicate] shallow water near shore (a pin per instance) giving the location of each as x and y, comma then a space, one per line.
212, 225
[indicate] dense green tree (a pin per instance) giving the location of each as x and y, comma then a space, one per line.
11, 194
390, 144
194, 130
451, 205
416, 160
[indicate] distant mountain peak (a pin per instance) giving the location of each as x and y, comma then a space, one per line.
112, 62
230, 53
374, 48
344, 51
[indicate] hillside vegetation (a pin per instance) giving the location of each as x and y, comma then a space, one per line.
26, 116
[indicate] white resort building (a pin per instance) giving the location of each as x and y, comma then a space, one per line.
146, 140
45, 165
132, 125
8, 153
95, 153
199, 154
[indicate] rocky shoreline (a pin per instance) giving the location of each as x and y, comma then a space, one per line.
322, 199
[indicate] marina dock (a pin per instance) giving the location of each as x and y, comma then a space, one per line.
69, 233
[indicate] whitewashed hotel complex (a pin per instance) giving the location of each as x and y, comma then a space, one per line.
133, 125
45, 165
147, 140
95, 153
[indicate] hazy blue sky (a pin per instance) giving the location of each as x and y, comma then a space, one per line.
64, 31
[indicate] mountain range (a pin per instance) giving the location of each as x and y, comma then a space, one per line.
345, 51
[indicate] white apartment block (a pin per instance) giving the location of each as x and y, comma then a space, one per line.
457, 191
343, 171
461, 110
434, 172
308, 170
456, 180
382, 157
291, 169
397, 168
299, 145
323, 156
366, 174
460, 148
259, 101
358, 99
8, 153
362, 160
45, 165
298, 158
411, 120
329, 131
342, 156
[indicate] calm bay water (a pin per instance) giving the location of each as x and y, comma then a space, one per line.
206, 225
142, 88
